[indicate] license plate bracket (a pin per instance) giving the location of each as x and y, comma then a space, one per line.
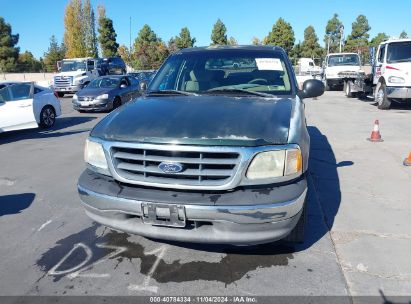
169, 215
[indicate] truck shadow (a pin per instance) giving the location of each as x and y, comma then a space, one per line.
61, 124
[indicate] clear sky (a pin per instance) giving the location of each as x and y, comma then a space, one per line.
36, 21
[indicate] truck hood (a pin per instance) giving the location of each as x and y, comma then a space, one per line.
71, 73
334, 70
199, 120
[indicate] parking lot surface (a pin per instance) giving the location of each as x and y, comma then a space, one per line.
358, 240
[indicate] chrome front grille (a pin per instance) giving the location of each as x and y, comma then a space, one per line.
200, 168
63, 81
85, 98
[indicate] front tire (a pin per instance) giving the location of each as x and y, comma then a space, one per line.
116, 103
326, 85
297, 234
347, 89
384, 103
47, 117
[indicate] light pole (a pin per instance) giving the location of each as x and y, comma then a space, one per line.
341, 36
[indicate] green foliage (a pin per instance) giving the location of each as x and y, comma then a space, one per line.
149, 50
79, 30
256, 41
310, 48
90, 38
53, 54
403, 35
219, 34
232, 41
107, 37
8, 52
332, 34
124, 53
27, 63
295, 53
358, 40
282, 35
184, 40
378, 39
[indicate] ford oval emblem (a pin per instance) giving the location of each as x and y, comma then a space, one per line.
171, 167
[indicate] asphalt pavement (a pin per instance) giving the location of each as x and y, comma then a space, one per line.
358, 240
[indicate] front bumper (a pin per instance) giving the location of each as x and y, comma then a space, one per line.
103, 105
68, 89
242, 216
399, 92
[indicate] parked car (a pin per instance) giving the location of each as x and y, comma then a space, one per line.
112, 66
208, 155
106, 93
25, 105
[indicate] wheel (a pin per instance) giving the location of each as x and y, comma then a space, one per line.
347, 89
60, 94
47, 117
326, 85
297, 234
384, 103
116, 103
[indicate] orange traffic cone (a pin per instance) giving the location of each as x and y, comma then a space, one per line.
375, 134
407, 161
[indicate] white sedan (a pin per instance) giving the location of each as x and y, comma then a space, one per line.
25, 105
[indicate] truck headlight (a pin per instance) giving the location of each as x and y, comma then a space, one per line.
273, 164
395, 79
94, 155
103, 96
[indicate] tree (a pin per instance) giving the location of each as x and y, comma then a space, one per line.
8, 52
53, 54
358, 40
219, 34
232, 41
333, 34
149, 50
403, 35
27, 63
107, 35
184, 40
172, 45
310, 48
282, 35
74, 33
256, 41
378, 39
295, 53
89, 25
124, 53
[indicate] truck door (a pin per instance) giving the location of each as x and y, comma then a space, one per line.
378, 63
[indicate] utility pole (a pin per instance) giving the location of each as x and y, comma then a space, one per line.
341, 36
328, 47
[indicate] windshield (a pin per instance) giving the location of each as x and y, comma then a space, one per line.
68, 66
228, 71
336, 60
111, 82
399, 52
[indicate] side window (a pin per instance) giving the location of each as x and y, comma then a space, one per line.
37, 90
20, 91
90, 65
5, 94
381, 53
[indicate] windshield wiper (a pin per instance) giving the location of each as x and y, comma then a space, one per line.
171, 92
234, 90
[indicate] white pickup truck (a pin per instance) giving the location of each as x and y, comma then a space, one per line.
74, 74
335, 65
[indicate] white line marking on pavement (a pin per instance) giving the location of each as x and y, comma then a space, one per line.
145, 286
44, 225
54, 271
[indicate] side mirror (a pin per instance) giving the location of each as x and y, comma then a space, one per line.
311, 88
143, 86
